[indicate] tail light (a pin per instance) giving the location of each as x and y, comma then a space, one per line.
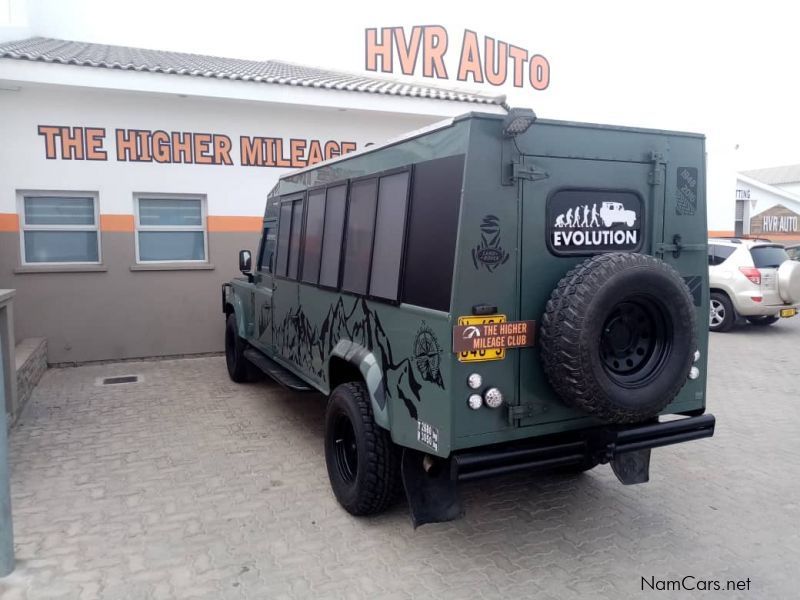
752, 274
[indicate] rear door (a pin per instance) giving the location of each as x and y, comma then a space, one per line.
263, 280
580, 208
767, 258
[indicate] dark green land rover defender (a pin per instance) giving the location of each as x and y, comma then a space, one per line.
487, 295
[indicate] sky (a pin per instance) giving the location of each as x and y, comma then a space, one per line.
725, 69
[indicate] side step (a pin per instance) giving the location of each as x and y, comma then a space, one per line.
283, 376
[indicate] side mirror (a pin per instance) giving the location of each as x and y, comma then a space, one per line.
245, 261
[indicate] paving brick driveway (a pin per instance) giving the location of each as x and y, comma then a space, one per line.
188, 485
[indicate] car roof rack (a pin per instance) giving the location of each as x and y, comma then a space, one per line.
739, 240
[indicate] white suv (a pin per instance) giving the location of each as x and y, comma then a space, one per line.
751, 278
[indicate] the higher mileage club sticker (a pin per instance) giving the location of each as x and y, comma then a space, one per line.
582, 221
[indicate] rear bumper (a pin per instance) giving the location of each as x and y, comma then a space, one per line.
747, 307
601, 444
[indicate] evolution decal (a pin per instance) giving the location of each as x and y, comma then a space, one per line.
489, 253
309, 346
590, 221
186, 147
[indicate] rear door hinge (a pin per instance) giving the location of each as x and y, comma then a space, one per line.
518, 412
527, 172
656, 176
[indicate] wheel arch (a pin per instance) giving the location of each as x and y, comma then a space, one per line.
233, 305
349, 361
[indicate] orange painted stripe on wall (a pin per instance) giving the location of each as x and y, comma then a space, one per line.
9, 222
234, 224
117, 223
721, 233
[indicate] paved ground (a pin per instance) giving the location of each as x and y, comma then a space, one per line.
187, 485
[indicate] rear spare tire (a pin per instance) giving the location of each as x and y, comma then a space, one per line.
618, 337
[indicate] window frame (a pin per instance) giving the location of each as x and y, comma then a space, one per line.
291, 199
23, 225
343, 254
401, 268
348, 185
266, 226
137, 226
379, 175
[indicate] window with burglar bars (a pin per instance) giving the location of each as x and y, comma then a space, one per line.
59, 228
171, 229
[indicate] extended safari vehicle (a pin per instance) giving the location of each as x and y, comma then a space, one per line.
490, 294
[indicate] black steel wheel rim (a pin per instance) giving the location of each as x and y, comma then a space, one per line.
635, 341
345, 448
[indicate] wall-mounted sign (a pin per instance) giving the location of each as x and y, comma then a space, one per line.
424, 49
777, 219
186, 147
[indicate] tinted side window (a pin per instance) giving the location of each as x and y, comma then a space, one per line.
267, 249
294, 244
390, 226
433, 224
312, 244
332, 237
721, 253
284, 229
360, 229
765, 257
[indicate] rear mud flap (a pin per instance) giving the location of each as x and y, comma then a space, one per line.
632, 467
432, 494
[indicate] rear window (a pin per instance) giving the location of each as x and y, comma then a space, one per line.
765, 257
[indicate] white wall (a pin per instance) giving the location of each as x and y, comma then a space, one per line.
761, 199
231, 190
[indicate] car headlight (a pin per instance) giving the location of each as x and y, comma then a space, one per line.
694, 373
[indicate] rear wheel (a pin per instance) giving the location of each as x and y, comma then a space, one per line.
763, 321
722, 315
363, 462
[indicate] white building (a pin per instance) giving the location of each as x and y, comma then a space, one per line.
768, 204
130, 178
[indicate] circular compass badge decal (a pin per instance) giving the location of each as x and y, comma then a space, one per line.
428, 355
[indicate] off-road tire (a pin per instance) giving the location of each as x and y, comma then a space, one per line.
239, 368
576, 325
763, 321
376, 482
729, 315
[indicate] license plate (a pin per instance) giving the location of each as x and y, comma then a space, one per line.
788, 312
482, 355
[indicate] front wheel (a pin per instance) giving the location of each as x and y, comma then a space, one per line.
721, 316
763, 321
363, 462
238, 367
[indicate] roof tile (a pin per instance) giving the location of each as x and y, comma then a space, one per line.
51, 50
